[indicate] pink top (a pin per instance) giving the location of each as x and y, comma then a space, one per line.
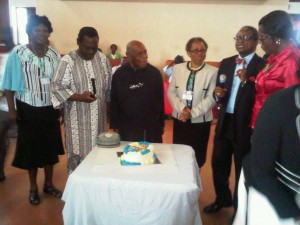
280, 72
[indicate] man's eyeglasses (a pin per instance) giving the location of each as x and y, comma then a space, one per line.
263, 37
196, 51
243, 38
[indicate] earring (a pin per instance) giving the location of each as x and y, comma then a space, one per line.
278, 42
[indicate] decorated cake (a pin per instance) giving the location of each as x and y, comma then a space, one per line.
138, 153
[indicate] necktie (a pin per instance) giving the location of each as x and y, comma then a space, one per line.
240, 60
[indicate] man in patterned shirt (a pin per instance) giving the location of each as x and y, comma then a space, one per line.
81, 86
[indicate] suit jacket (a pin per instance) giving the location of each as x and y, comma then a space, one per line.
244, 99
276, 138
204, 86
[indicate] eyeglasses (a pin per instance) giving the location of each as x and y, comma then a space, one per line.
196, 51
243, 38
263, 37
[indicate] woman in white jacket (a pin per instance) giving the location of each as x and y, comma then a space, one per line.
191, 97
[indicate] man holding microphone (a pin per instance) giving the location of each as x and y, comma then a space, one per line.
235, 93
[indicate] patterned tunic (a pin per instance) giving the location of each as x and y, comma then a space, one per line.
83, 121
30, 75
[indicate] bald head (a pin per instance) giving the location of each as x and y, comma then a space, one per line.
132, 45
137, 54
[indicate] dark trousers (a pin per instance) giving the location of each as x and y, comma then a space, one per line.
150, 135
195, 135
4, 126
225, 147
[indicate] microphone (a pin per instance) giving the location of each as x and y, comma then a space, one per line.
221, 83
94, 87
222, 80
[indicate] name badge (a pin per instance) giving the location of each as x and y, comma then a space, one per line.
188, 95
45, 80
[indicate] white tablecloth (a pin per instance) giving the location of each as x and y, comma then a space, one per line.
101, 191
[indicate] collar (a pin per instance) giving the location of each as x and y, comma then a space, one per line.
194, 71
248, 58
135, 69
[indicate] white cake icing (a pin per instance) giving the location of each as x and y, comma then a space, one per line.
138, 153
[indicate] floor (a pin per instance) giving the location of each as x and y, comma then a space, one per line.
16, 210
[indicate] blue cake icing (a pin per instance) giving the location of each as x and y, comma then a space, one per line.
125, 163
138, 153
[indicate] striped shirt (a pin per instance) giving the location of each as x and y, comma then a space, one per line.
30, 75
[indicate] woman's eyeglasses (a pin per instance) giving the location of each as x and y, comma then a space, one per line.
263, 37
243, 38
196, 51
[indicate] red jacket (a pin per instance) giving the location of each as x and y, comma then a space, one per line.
280, 72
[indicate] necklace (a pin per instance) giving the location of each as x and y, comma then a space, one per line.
194, 70
267, 67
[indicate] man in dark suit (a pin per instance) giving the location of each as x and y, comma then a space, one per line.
236, 98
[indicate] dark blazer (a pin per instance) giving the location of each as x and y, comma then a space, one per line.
276, 138
244, 99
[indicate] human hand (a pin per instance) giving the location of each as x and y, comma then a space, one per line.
88, 97
242, 74
185, 114
220, 92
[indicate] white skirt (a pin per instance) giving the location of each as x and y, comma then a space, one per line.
256, 208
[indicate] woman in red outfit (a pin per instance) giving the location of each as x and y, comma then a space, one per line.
275, 36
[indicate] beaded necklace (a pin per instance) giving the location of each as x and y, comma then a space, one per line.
194, 70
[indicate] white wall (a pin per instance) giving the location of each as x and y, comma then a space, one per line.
163, 26
294, 8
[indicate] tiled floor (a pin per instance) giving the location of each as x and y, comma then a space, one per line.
15, 209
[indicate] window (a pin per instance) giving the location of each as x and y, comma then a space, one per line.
19, 11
